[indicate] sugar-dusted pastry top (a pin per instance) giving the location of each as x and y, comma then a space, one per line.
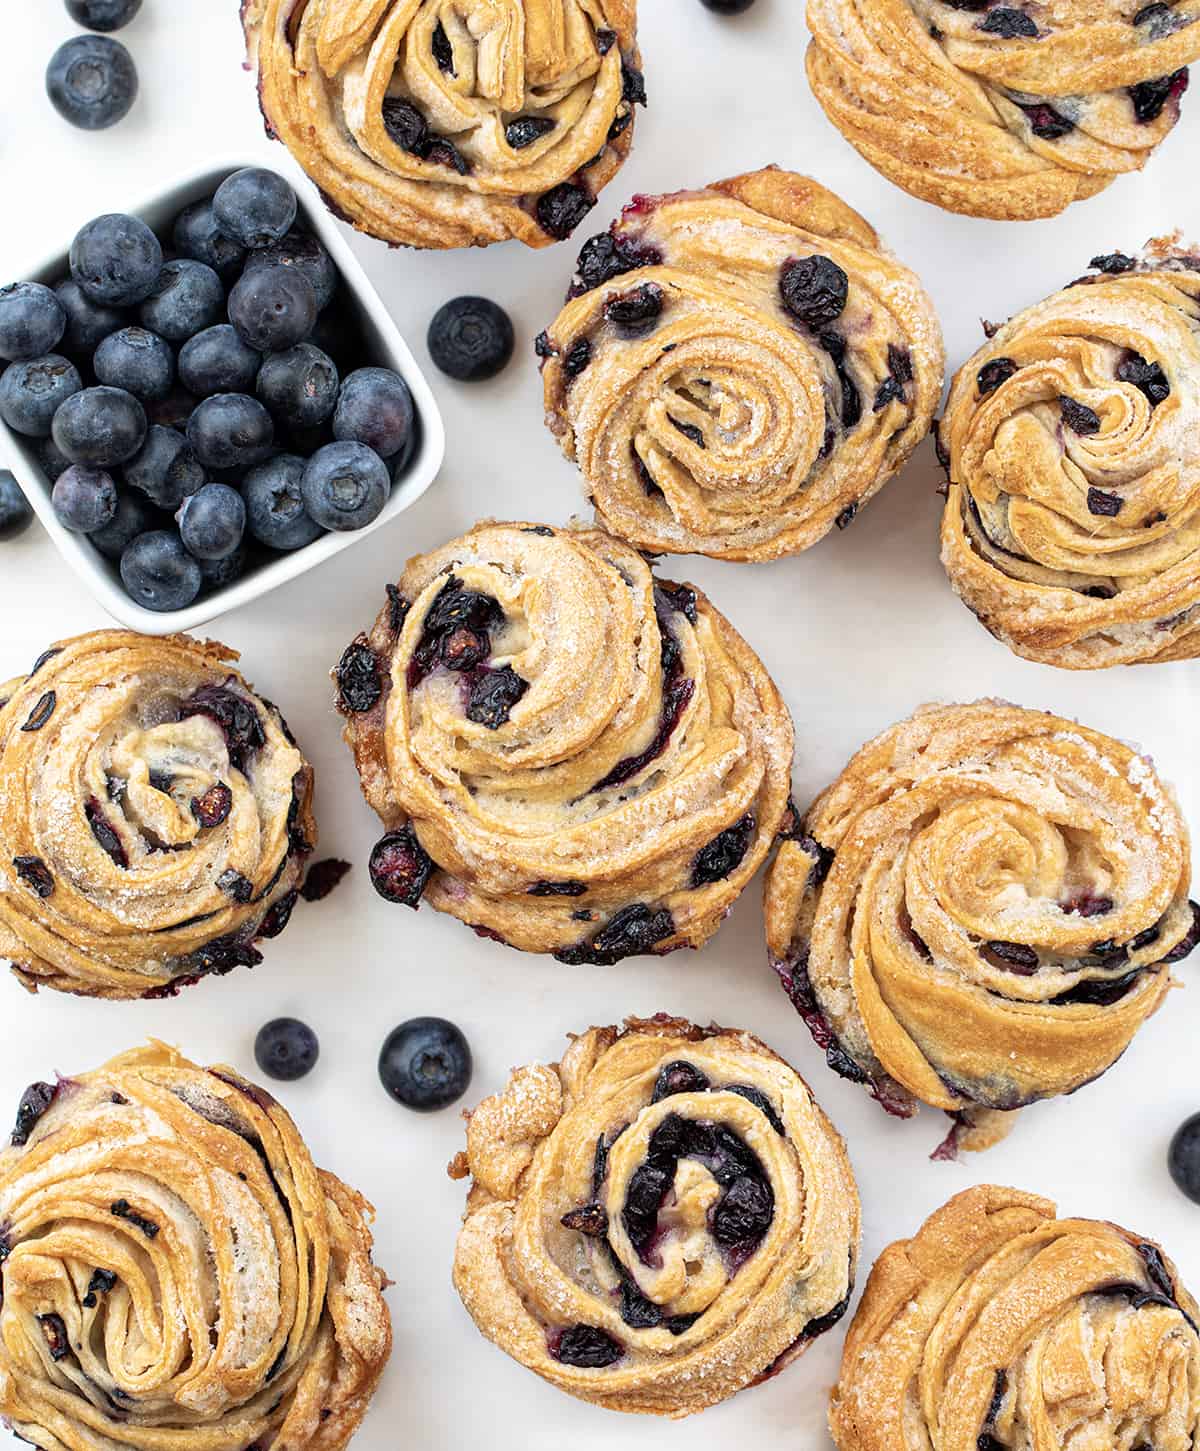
999, 1325
451, 123
177, 1275
658, 1221
155, 816
571, 755
738, 369
981, 911
1010, 111
1072, 445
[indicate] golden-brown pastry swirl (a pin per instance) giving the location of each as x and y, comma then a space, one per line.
176, 1273
660, 1220
155, 816
1072, 442
451, 123
1009, 111
739, 369
981, 911
570, 755
998, 1325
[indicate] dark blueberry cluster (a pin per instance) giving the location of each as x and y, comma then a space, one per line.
200, 414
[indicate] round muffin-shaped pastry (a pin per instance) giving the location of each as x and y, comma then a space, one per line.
155, 817
658, 1221
999, 1325
451, 123
177, 1273
738, 369
981, 911
570, 755
1003, 110
1072, 446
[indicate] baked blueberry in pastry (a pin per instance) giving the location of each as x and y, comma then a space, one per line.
739, 369
569, 754
451, 123
982, 911
155, 816
1072, 446
176, 1273
999, 1325
658, 1221
1011, 111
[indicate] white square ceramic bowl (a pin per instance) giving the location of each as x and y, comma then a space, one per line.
386, 348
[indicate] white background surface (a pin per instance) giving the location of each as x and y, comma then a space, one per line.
857, 632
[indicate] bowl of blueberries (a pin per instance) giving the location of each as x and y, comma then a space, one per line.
205, 397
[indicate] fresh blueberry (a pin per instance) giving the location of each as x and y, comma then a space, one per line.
217, 361
136, 360
116, 260
32, 321
92, 81
286, 1048
306, 254
218, 573
88, 322
254, 207
103, 14
425, 1064
375, 407
273, 308
299, 387
16, 515
727, 7
470, 339
164, 469
230, 431
84, 499
31, 393
1183, 1158
134, 515
100, 426
345, 486
275, 512
158, 573
196, 235
212, 522
187, 298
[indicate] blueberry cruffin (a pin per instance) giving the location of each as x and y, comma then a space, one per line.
740, 368
176, 1272
982, 911
1072, 445
658, 1221
569, 755
998, 109
155, 817
451, 123
1000, 1325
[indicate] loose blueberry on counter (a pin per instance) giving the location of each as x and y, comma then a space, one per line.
196, 235
275, 513
345, 486
92, 81
32, 321
375, 407
727, 7
187, 298
212, 522
88, 322
100, 426
1183, 1158
254, 207
103, 14
299, 386
164, 469
116, 260
84, 499
158, 572
286, 1049
273, 308
32, 393
138, 361
218, 361
306, 254
16, 515
471, 338
425, 1064
230, 431
134, 515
